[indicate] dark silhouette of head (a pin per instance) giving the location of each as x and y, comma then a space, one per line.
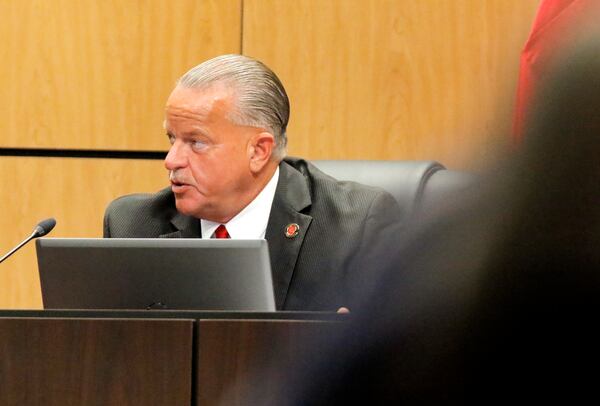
495, 298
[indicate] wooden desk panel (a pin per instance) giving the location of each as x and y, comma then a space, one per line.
95, 362
233, 353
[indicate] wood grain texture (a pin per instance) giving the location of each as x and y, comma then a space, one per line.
390, 79
95, 362
96, 74
75, 192
243, 362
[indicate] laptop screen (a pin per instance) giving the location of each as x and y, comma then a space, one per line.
132, 273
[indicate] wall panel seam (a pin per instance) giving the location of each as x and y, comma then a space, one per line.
81, 153
242, 27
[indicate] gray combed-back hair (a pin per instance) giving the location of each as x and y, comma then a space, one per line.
261, 98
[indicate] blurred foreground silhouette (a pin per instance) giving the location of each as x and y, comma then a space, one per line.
495, 297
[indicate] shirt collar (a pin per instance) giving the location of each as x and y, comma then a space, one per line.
251, 222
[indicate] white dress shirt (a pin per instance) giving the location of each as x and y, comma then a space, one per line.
251, 222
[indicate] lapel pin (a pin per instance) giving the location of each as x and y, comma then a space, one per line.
292, 230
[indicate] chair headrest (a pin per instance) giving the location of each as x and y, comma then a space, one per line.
405, 180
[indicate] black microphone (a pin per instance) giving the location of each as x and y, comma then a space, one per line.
43, 228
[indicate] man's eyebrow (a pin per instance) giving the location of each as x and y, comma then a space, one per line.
185, 134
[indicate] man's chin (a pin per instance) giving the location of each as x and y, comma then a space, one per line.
187, 208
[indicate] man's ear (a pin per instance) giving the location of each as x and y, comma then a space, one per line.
260, 148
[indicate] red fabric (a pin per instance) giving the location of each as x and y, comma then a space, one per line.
556, 25
221, 232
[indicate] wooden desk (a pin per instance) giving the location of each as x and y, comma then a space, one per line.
144, 357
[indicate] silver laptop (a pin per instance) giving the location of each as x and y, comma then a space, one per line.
156, 273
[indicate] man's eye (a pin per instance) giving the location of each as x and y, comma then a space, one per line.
171, 139
199, 145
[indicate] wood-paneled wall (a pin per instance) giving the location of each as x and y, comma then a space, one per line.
95, 74
92, 75
392, 79
376, 79
75, 192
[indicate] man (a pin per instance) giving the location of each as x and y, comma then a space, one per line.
226, 121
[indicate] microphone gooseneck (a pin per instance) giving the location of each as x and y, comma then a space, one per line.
42, 228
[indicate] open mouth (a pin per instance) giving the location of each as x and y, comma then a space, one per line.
178, 187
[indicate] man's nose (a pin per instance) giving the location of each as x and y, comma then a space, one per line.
176, 158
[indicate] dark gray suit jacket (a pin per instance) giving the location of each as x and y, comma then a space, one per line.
319, 269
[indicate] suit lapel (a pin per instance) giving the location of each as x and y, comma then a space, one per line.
291, 197
185, 227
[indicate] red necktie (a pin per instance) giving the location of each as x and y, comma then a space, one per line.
221, 232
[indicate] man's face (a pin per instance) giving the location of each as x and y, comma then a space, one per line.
209, 156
